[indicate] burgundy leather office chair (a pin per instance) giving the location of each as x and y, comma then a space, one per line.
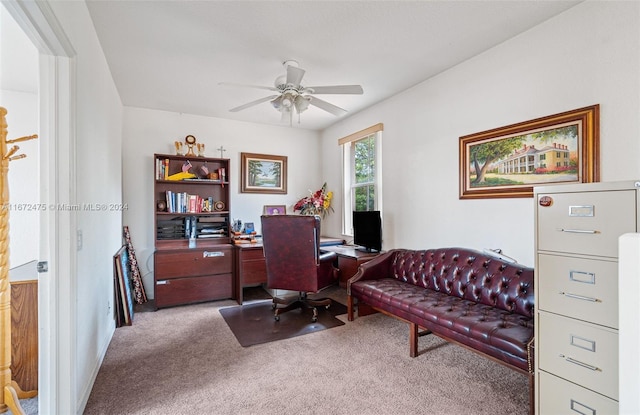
294, 261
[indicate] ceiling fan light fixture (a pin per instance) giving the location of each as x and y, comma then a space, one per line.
277, 103
302, 103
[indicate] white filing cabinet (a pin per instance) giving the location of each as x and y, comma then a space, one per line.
577, 231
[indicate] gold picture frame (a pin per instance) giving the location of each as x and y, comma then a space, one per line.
509, 161
263, 173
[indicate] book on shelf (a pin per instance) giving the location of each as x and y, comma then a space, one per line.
182, 202
162, 169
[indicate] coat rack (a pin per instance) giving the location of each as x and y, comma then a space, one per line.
10, 399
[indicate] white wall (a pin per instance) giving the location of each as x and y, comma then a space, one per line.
150, 131
19, 95
98, 181
588, 55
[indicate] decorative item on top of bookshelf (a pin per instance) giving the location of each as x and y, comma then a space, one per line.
179, 148
200, 147
508, 161
317, 203
263, 173
274, 210
191, 141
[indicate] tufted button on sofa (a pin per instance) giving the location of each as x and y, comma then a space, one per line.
462, 295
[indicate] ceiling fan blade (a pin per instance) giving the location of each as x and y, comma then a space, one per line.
252, 103
324, 105
336, 89
294, 75
269, 88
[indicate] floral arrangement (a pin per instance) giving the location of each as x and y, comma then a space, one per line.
318, 203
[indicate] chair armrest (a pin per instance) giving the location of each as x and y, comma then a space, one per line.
327, 257
375, 269
327, 273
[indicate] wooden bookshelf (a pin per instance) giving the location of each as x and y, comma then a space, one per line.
194, 257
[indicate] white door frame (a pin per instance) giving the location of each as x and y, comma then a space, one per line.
57, 389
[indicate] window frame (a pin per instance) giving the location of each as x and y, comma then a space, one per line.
348, 174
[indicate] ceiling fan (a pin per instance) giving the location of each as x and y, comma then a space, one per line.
292, 96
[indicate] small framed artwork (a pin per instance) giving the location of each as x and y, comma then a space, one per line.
249, 228
275, 210
509, 161
263, 173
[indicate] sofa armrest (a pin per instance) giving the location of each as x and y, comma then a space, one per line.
375, 269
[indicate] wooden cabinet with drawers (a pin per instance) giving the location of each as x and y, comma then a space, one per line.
193, 261
577, 231
186, 276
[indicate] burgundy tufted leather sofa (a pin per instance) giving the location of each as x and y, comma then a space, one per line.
462, 295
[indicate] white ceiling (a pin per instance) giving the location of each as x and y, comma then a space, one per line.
172, 55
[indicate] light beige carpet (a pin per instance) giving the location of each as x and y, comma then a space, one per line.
185, 360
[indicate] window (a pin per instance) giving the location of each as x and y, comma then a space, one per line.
362, 178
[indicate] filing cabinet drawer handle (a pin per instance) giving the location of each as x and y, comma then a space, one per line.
581, 409
578, 231
579, 297
212, 254
579, 363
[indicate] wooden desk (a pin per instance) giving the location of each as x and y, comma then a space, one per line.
250, 268
349, 259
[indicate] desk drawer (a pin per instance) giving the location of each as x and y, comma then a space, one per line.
557, 396
587, 222
193, 262
177, 291
254, 271
579, 352
581, 288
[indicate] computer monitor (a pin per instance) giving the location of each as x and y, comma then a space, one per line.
367, 230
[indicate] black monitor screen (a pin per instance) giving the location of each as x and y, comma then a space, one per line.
367, 230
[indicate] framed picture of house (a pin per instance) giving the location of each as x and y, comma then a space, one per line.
274, 210
509, 161
263, 173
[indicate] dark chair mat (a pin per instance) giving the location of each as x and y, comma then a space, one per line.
253, 323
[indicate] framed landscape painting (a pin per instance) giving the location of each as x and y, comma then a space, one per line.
263, 173
509, 161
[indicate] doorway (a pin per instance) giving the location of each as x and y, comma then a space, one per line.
55, 77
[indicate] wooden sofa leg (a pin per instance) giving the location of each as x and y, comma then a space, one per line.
413, 339
350, 308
